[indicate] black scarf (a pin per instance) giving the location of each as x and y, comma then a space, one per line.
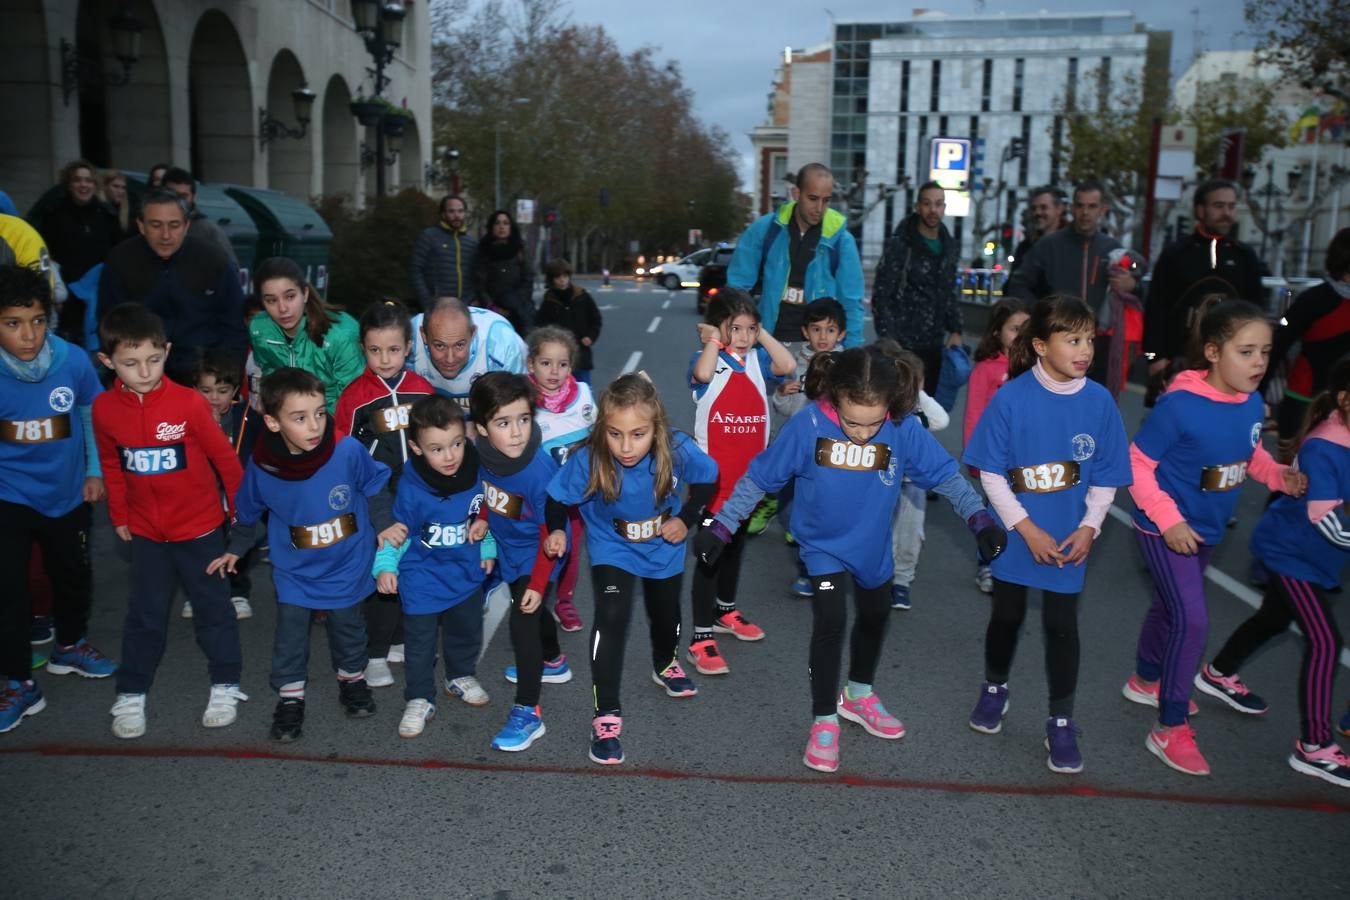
275, 458
465, 477
499, 463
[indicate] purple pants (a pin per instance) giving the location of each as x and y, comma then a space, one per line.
1172, 641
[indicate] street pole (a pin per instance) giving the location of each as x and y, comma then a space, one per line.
1150, 200
497, 168
1310, 213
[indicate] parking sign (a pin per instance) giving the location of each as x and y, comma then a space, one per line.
949, 164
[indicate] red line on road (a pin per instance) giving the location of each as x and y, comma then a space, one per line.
1074, 789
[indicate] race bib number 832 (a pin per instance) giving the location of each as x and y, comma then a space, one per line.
1046, 478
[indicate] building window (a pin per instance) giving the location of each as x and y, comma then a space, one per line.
900, 150
987, 86
1071, 87
942, 126
1024, 164
1056, 149
1104, 84
1019, 72
904, 86
935, 86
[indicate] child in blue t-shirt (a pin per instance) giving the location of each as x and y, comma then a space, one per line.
848, 453
1051, 450
437, 571
314, 489
516, 471
49, 474
626, 482
1188, 461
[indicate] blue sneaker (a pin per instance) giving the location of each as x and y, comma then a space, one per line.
18, 700
556, 671
605, 730
675, 682
41, 631
82, 659
523, 727
899, 596
1061, 739
803, 587
987, 716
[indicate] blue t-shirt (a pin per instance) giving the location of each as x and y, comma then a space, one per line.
515, 506
1052, 448
43, 460
322, 543
1285, 541
626, 533
1202, 448
440, 568
845, 492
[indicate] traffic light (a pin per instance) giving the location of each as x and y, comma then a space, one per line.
1006, 236
550, 218
1017, 148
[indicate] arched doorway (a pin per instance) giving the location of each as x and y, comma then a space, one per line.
341, 160
410, 173
220, 102
25, 112
127, 126
290, 161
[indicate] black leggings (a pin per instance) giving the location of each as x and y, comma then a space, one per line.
1059, 620
717, 582
613, 589
1288, 600
872, 612
384, 624
65, 558
534, 638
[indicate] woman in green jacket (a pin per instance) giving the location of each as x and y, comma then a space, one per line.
296, 328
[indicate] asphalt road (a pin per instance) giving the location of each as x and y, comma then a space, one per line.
713, 799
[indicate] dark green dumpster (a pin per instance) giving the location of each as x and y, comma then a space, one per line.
288, 227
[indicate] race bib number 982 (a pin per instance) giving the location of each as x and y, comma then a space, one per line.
1046, 478
153, 460
852, 457
390, 419
324, 534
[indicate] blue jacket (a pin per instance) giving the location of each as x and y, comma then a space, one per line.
835, 272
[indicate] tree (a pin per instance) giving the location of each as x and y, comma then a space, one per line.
1309, 40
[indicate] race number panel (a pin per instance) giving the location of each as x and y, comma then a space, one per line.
1045, 478
503, 503
324, 534
35, 431
154, 460
642, 530
1223, 477
390, 419
851, 457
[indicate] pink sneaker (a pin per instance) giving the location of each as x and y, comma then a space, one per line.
736, 624
822, 747
1175, 746
1145, 693
565, 611
872, 716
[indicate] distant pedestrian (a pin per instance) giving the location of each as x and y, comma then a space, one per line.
113, 191
443, 257
1048, 215
181, 182
503, 276
567, 305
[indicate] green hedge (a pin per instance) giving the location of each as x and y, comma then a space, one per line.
372, 247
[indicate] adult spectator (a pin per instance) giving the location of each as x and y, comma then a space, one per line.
1076, 261
443, 256
1207, 261
914, 296
296, 328
191, 285
181, 182
798, 253
113, 191
454, 344
568, 306
1046, 204
79, 230
503, 276
156, 177
1319, 321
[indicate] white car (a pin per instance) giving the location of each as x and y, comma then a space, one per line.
682, 273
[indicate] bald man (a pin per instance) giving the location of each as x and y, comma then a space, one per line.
453, 344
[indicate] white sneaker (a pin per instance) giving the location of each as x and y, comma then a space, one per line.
395, 653
984, 579
187, 609
223, 707
378, 674
415, 717
128, 716
467, 688
242, 608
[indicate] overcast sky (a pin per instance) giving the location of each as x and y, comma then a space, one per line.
728, 50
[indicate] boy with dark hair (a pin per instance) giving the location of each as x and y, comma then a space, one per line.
314, 488
163, 452
49, 475
824, 325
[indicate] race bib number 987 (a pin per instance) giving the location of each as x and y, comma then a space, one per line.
153, 460
1046, 478
640, 531
852, 457
324, 534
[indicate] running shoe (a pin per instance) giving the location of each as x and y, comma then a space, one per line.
675, 682
1145, 693
605, 730
41, 631
288, 719
1328, 763
128, 714
242, 608
759, 519
871, 715
466, 688
736, 624
356, 699
984, 579
556, 671
17, 700
1229, 689
1061, 739
395, 653
39, 659
900, 596
706, 658
1175, 746
803, 587
565, 612
822, 747
187, 609
416, 714
82, 659
789, 539
987, 716
377, 673
1344, 724
222, 707
524, 725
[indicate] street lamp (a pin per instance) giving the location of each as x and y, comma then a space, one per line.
77, 70
270, 129
497, 157
381, 27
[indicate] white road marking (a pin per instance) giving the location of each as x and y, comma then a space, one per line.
666, 304
656, 323
633, 359
497, 606
632, 290
607, 306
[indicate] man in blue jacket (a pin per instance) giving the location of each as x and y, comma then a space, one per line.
797, 254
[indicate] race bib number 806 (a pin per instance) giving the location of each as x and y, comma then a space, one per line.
833, 454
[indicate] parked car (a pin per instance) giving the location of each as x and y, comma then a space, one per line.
680, 273
713, 276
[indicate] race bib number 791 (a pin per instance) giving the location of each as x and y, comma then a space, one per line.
324, 534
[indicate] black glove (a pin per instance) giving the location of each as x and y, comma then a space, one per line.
990, 540
711, 539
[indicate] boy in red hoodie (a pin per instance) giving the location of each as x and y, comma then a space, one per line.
161, 451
